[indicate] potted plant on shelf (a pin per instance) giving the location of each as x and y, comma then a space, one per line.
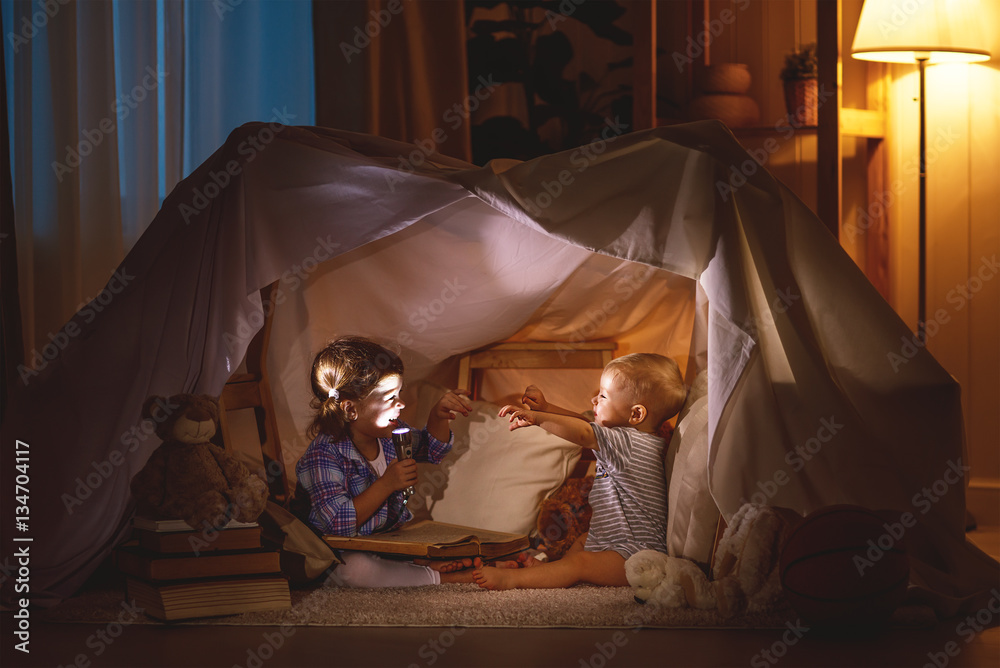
801, 90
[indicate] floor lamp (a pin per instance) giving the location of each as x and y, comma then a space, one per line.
925, 33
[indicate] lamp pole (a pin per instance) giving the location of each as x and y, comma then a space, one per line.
922, 59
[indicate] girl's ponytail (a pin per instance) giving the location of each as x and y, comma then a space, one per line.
347, 368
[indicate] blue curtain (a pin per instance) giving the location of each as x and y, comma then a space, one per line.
251, 61
148, 89
244, 60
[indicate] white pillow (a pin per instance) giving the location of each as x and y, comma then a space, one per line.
692, 514
493, 478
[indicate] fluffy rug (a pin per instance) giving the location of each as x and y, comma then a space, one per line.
462, 605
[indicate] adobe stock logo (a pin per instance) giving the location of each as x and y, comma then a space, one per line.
47, 9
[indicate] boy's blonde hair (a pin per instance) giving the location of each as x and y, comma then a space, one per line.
652, 380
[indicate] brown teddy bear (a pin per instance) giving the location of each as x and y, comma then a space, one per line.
564, 517
188, 477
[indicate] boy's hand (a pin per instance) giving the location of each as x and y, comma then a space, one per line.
400, 474
455, 401
534, 399
519, 417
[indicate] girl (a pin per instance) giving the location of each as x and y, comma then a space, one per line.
349, 480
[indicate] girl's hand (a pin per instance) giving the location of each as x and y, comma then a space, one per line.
534, 399
400, 474
455, 401
519, 417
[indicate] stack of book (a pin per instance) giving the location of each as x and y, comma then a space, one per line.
175, 572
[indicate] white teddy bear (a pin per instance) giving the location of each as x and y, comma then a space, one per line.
667, 581
745, 568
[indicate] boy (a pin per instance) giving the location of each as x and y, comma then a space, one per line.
629, 497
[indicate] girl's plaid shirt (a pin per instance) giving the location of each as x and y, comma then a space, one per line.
333, 472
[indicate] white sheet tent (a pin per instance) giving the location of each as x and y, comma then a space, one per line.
794, 337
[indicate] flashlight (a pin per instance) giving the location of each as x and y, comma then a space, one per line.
402, 439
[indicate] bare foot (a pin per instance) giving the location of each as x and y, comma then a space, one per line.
448, 566
492, 578
521, 560
460, 577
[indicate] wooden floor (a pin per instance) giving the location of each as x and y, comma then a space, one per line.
950, 643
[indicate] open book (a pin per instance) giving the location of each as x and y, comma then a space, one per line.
435, 540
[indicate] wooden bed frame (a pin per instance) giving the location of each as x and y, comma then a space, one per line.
251, 389
536, 355
531, 355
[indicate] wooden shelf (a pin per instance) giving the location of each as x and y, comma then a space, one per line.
862, 123
846, 147
767, 130
752, 130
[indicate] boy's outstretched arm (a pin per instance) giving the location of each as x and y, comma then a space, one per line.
571, 428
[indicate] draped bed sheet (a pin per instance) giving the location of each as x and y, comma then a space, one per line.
796, 341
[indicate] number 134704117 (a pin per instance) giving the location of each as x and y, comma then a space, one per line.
21, 480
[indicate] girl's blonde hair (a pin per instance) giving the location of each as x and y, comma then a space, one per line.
349, 367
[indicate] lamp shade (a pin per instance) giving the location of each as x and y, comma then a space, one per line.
901, 31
